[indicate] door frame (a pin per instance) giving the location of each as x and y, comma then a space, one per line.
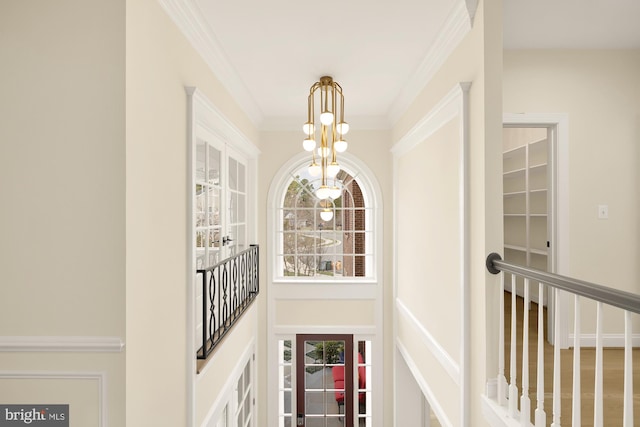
299, 365
559, 260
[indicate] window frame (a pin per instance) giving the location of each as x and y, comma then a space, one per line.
372, 206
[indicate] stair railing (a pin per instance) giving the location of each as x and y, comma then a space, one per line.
507, 392
228, 289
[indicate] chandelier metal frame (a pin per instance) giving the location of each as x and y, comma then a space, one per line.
332, 131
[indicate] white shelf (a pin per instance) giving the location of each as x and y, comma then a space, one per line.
514, 152
538, 251
515, 193
525, 196
514, 173
540, 167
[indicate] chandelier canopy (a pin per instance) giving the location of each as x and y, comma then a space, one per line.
324, 161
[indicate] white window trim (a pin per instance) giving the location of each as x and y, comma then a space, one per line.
373, 203
202, 113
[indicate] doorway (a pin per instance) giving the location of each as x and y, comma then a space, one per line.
536, 191
331, 376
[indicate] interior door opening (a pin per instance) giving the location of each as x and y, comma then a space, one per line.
330, 385
529, 202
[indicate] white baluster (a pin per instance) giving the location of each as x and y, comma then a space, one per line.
577, 388
525, 401
513, 388
556, 360
541, 416
627, 420
597, 398
502, 380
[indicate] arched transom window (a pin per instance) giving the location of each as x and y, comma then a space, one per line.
325, 239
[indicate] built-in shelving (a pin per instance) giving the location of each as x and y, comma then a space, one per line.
525, 182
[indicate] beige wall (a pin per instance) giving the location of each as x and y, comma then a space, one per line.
62, 191
478, 59
600, 93
160, 63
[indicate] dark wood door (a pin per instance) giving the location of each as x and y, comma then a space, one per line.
324, 380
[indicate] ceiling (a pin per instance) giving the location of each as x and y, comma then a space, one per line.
272, 52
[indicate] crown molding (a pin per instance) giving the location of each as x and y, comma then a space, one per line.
187, 16
61, 343
455, 28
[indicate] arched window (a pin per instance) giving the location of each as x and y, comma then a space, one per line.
324, 239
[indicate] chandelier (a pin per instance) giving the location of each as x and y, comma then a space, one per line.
324, 162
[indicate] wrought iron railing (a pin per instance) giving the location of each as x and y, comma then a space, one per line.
228, 289
508, 391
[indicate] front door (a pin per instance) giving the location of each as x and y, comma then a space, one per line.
324, 376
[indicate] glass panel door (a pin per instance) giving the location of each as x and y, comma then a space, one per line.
209, 198
324, 378
236, 231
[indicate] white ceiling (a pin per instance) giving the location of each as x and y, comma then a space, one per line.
273, 51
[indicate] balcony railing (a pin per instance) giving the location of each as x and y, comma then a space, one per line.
228, 289
515, 401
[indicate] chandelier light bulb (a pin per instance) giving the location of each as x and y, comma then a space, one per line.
332, 170
342, 128
322, 192
309, 144
308, 128
323, 151
314, 169
335, 192
326, 214
326, 118
340, 146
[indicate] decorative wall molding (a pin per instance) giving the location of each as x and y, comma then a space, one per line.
450, 106
72, 344
100, 377
424, 386
188, 18
448, 363
455, 28
292, 330
453, 104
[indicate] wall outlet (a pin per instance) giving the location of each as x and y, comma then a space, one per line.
603, 212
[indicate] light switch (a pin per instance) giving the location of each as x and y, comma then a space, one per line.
603, 211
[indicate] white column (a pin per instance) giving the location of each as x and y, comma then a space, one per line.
513, 388
525, 401
556, 360
597, 398
502, 380
540, 415
577, 406
627, 420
